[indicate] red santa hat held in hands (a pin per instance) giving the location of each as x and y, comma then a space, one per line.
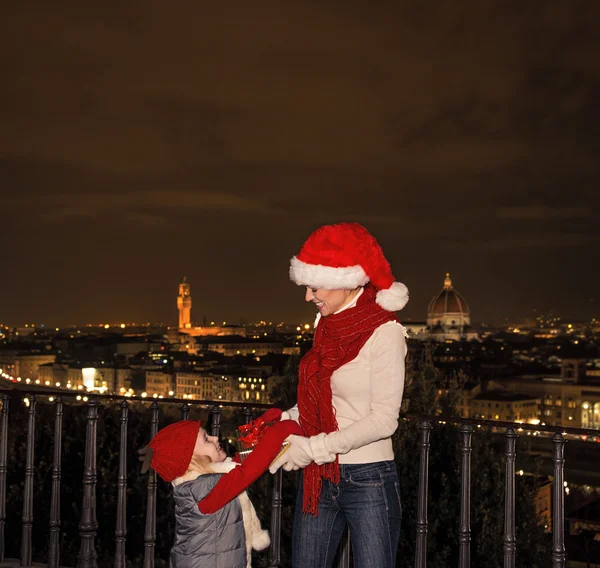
346, 256
258, 461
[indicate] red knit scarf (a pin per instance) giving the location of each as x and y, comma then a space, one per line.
338, 340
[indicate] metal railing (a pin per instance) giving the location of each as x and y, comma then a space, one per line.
88, 523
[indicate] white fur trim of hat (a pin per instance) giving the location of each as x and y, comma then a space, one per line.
346, 256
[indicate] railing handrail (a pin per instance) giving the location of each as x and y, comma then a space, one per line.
502, 424
458, 420
119, 397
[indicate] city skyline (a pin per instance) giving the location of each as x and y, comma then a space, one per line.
549, 318
141, 145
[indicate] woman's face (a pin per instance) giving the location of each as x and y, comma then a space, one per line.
329, 301
209, 446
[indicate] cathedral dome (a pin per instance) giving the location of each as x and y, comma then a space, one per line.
448, 308
448, 301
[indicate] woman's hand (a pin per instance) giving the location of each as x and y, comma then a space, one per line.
303, 451
298, 455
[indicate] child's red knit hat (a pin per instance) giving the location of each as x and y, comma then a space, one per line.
170, 452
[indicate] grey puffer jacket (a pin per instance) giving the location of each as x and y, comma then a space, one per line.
206, 541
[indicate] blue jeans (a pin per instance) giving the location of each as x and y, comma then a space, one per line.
367, 500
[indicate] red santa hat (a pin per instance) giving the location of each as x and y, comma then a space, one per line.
346, 256
265, 452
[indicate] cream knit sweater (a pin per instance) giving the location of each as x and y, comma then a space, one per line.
367, 394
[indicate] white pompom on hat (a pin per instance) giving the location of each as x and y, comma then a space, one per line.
346, 256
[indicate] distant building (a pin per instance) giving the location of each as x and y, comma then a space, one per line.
24, 364
75, 375
194, 385
238, 345
448, 316
415, 328
253, 389
159, 382
506, 406
583, 538
561, 401
51, 373
209, 386
585, 518
184, 306
543, 503
106, 378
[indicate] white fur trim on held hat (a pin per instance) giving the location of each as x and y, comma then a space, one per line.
256, 537
327, 277
261, 540
394, 298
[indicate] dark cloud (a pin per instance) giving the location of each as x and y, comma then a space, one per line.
141, 142
543, 212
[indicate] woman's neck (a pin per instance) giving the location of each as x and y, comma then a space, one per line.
351, 297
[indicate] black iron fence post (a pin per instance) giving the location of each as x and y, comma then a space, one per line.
275, 528
509, 499
150, 532
464, 531
3, 469
88, 524
121, 524
54, 547
558, 503
215, 423
28, 493
185, 411
421, 552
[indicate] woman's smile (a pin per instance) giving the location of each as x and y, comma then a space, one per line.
329, 301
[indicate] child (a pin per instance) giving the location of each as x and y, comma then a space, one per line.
213, 528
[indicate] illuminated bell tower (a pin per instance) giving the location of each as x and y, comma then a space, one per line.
184, 305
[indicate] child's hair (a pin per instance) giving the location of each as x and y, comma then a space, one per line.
200, 464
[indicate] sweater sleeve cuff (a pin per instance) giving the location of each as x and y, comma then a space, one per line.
318, 448
290, 414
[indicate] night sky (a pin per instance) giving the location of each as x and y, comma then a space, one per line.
141, 142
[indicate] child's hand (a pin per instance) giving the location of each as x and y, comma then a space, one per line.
238, 479
252, 433
271, 415
297, 456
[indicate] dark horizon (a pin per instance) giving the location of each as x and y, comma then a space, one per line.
306, 318
140, 144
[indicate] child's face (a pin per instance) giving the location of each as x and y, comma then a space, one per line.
209, 446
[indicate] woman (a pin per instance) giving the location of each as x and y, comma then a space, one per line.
349, 395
